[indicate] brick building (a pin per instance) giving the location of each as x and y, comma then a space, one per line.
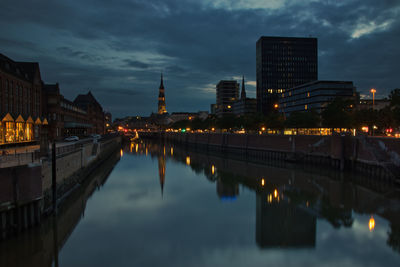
65, 117
21, 114
95, 112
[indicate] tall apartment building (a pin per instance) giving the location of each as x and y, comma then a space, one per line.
227, 95
283, 63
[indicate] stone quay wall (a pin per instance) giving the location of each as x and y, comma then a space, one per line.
26, 191
373, 156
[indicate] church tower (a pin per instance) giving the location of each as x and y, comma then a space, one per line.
161, 98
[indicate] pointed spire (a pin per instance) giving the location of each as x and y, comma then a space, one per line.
162, 83
243, 94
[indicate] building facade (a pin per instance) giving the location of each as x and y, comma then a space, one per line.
21, 114
64, 116
227, 95
315, 95
94, 110
283, 63
244, 105
377, 104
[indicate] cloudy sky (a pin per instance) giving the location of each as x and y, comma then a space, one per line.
117, 49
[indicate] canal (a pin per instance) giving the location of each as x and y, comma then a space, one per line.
154, 204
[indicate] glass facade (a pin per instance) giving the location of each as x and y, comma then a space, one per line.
314, 95
283, 63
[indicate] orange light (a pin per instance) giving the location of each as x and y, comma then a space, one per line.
187, 160
212, 169
276, 106
172, 151
275, 193
262, 182
262, 128
373, 91
371, 224
121, 152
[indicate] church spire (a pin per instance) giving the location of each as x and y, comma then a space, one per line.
161, 98
162, 83
243, 94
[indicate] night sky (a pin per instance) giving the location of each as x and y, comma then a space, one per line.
117, 49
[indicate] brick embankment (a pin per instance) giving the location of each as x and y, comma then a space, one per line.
25, 191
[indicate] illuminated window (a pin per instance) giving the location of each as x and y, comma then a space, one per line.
308, 94
10, 132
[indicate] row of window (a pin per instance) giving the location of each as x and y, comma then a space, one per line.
18, 99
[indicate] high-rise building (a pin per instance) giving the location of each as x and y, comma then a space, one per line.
283, 63
161, 98
227, 94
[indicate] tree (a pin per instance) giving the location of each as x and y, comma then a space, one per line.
227, 121
303, 119
338, 114
394, 97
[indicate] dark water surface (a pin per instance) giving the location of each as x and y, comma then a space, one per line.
164, 206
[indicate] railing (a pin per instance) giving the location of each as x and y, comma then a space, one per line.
10, 160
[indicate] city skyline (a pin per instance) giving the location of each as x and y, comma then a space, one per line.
118, 51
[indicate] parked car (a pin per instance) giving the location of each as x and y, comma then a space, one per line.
95, 136
71, 138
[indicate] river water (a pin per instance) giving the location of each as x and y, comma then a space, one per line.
155, 204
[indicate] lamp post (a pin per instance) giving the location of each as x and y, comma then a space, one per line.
373, 91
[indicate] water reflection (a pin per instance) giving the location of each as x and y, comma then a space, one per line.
288, 202
40, 246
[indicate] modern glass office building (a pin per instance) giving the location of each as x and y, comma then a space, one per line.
315, 95
283, 63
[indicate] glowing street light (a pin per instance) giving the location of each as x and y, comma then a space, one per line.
373, 91
371, 224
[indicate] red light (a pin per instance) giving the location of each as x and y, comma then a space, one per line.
126, 130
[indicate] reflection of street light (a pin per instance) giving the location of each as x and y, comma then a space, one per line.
373, 91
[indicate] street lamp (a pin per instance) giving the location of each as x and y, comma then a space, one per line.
373, 91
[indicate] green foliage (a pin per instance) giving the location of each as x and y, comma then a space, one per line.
394, 97
303, 119
338, 114
227, 121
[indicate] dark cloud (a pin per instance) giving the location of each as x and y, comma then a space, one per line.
103, 45
136, 64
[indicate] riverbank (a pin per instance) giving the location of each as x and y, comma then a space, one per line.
26, 191
374, 157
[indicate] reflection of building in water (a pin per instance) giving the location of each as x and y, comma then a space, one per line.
161, 171
279, 224
227, 191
